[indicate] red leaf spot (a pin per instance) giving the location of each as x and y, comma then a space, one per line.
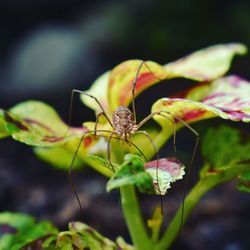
18, 124
194, 114
31, 122
87, 141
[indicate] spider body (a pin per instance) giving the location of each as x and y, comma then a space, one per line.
124, 123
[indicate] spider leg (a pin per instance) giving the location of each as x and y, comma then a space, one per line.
72, 184
133, 90
130, 143
91, 96
97, 119
109, 152
166, 115
157, 162
134, 85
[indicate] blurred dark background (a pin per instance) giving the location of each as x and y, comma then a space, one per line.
47, 48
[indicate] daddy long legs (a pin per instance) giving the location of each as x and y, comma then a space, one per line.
124, 126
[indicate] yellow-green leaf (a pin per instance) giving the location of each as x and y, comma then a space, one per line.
206, 64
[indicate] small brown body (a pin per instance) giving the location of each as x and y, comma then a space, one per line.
123, 122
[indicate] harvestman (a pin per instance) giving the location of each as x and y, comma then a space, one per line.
124, 126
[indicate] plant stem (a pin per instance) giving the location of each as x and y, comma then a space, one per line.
207, 182
174, 227
134, 219
98, 167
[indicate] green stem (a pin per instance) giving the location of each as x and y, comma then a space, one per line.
98, 167
174, 227
134, 219
207, 182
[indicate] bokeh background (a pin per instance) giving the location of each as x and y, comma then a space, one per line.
48, 48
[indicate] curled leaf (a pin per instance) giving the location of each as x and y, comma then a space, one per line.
228, 98
164, 172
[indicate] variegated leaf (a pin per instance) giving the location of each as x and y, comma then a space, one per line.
206, 64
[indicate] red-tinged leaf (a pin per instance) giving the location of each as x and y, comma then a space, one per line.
164, 171
206, 64
37, 124
114, 88
228, 98
123, 75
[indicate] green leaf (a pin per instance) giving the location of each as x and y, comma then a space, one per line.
132, 172
153, 177
82, 236
227, 157
123, 245
227, 149
100, 160
206, 64
99, 89
37, 124
58, 156
3, 130
243, 182
19, 230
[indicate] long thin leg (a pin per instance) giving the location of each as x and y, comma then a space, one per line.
162, 113
91, 96
97, 119
129, 143
156, 152
157, 163
72, 184
134, 85
108, 151
133, 90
